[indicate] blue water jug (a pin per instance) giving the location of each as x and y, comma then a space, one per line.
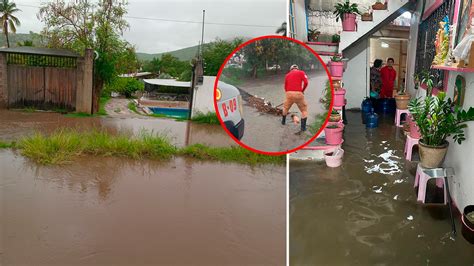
372, 120
365, 107
386, 106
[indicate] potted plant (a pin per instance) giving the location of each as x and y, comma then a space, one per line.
347, 13
313, 35
336, 38
339, 97
333, 133
437, 120
379, 6
336, 66
427, 79
467, 219
335, 116
402, 98
367, 16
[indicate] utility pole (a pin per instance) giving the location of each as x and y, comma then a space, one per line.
202, 31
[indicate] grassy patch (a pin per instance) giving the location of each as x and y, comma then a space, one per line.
102, 102
63, 145
6, 145
209, 118
229, 154
132, 107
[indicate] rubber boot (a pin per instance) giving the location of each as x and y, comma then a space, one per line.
303, 124
283, 119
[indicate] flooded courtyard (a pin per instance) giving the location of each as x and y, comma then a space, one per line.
116, 211
283, 137
365, 212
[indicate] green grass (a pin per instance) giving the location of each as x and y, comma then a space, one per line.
63, 145
229, 154
102, 102
6, 145
209, 118
132, 107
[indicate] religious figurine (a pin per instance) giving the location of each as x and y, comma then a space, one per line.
463, 49
442, 42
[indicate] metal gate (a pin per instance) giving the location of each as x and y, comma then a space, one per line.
41, 81
425, 48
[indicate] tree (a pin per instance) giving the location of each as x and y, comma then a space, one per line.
80, 24
25, 43
282, 29
216, 52
8, 20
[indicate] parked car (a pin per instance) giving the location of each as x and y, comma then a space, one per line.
229, 105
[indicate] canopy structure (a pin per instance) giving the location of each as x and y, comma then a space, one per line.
168, 82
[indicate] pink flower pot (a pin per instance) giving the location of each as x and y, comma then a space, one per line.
334, 135
333, 157
349, 22
339, 99
414, 129
336, 68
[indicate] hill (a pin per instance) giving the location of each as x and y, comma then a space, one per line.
21, 37
184, 54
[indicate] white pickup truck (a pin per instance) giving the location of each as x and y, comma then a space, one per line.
229, 105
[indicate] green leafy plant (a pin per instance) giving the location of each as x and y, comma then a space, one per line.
336, 38
313, 35
125, 86
336, 58
333, 126
437, 119
345, 8
427, 79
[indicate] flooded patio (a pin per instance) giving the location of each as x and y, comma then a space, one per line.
365, 212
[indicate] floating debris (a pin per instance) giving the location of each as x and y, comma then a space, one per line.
379, 190
396, 197
410, 218
398, 181
388, 166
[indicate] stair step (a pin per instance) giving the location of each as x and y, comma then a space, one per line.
324, 47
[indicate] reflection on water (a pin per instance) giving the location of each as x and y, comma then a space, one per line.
365, 212
111, 211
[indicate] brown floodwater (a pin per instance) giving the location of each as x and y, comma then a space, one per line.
365, 212
111, 211
16, 124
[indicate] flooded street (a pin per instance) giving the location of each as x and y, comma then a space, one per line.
365, 212
112, 211
259, 126
15, 124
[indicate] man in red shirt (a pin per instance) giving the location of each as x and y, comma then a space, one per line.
388, 76
296, 83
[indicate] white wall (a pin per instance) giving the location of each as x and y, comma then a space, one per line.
460, 157
356, 76
203, 99
299, 12
411, 53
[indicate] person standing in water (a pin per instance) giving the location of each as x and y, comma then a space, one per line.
296, 82
375, 80
388, 76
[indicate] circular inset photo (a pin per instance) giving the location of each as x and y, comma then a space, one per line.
273, 95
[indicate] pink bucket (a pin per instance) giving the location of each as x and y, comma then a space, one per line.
334, 135
349, 22
333, 157
339, 99
336, 68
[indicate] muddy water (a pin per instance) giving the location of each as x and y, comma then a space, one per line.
120, 212
264, 131
14, 124
365, 212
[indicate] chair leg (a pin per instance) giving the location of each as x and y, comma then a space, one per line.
409, 150
422, 189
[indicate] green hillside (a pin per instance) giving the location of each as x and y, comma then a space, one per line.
184, 54
21, 37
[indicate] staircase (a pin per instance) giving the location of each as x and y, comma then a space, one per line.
380, 18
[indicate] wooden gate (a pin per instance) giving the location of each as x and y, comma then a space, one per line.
41, 82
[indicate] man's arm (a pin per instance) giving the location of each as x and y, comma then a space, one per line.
305, 81
286, 83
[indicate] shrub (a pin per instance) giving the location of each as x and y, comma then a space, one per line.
125, 86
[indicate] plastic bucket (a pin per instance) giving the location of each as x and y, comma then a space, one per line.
339, 99
333, 157
349, 22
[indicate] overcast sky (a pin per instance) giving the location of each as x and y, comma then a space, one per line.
156, 36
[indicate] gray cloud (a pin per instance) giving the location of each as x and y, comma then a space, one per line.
154, 36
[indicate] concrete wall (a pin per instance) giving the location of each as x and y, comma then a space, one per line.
397, 50
85, 68
460, 156
299, 12
356, 76
203, 98
3, 81
411, 53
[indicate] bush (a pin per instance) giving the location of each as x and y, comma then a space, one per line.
125, 86
186, 75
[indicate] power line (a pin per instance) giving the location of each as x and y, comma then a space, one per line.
186, 21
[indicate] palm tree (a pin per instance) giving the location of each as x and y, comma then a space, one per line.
282, 29
8, 20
